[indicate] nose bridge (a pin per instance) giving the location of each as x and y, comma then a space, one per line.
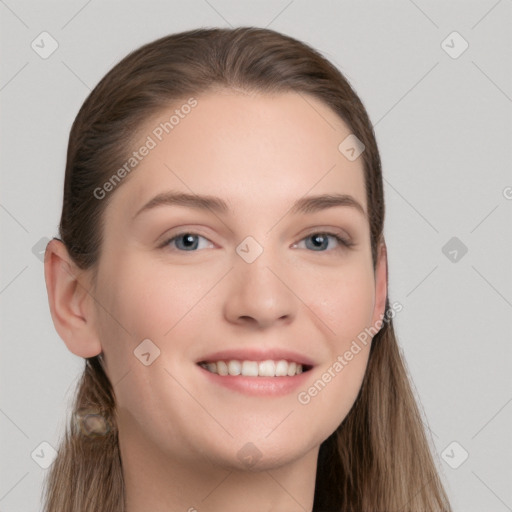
258, 292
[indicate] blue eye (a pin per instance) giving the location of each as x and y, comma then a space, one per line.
190, 242
321, 241
187, 241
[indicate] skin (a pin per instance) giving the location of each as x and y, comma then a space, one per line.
180, 435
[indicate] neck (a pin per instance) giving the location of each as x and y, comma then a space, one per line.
154, 481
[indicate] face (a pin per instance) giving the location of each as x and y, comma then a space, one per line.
250, 282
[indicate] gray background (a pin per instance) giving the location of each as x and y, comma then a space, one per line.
444, 128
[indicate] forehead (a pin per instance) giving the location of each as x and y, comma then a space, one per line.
260, 150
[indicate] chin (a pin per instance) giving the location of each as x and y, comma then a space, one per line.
264, 454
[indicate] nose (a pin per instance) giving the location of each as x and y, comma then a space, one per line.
260, 294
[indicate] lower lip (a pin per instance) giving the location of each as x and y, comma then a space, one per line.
268, 386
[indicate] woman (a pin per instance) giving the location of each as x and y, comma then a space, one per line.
222, 270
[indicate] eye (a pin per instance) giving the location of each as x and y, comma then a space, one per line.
185, 241
320, 241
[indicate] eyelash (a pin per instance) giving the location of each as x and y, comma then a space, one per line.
344, 243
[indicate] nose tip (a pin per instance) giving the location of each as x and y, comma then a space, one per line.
258, 297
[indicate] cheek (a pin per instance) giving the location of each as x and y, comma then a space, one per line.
345, 301
138, 301
148, 301
345, 304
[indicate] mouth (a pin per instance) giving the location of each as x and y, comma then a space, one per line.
257, 371
248, 368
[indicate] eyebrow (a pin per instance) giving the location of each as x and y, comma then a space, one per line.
304, 205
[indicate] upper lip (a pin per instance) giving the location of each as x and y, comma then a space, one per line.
256, 354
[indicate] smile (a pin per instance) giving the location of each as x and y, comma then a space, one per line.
268, 368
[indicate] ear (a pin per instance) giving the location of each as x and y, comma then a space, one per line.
381, 284
70, 301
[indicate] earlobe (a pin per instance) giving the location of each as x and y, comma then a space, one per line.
70, 301
381, 284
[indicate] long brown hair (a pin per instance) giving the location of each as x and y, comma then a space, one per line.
379, 458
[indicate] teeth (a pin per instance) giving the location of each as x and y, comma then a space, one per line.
292, 368
212, 367
282, 368
249, 368
222, 368
267, 368
234, 367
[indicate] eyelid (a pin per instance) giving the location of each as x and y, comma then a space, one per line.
333, 230
344, 240
177, 231
341, 236
169, 238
